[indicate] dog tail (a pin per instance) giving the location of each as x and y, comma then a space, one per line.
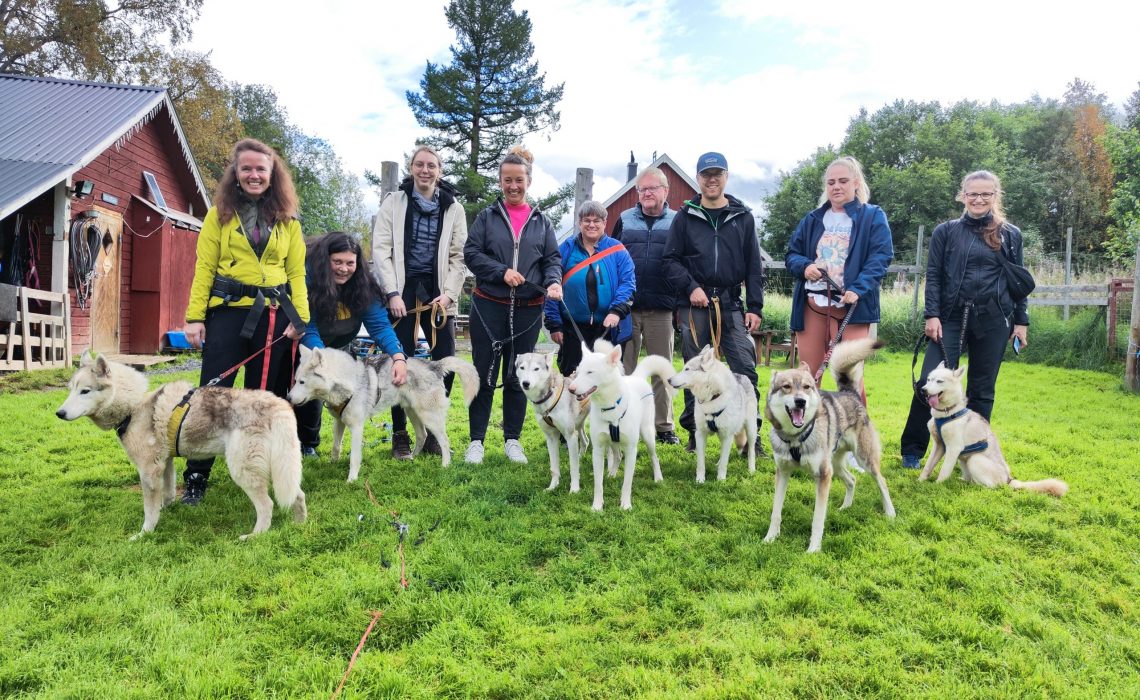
285, 470
1053, 487
847, 362
468, 376
655, 366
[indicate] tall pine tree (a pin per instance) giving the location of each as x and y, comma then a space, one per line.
489, 97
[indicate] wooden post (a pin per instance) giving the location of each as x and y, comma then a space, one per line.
1131, 376
389, 178
917, 262
583, 189
1068, 269
60, 253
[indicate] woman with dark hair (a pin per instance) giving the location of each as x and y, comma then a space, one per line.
417, 250
513, 253
249, 282
966, 287
342, 296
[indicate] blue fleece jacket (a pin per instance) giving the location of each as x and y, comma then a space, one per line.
616, 284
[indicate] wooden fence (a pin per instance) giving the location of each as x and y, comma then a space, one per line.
36, 340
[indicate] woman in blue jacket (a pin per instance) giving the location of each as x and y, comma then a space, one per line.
597, 288
342, 296
850, 241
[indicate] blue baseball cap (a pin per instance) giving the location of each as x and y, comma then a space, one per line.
711, 160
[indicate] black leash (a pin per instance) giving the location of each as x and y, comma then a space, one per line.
924, 339
497, 344
842, 325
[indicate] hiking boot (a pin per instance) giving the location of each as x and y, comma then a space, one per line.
668, 437
911, 462
514, 452
692, 444
195, 489
431, 446
474, 453
401, 445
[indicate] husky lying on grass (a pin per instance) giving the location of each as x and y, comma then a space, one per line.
963, 436
254, 430
558, 412
815, 430
354, 390
725, 406
621, 411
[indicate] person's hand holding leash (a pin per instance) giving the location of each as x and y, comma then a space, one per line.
698, 298
195, 334
556, 336
812, 273
850, 297
399, 369
934, 329
513, 278
443, 300
396, 308
611, 321
554, 291
294, 333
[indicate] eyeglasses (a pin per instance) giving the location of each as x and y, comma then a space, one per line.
984, 196
591, 222
711, 174
651, 188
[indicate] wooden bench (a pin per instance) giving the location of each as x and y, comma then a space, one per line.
463, 326
767, 343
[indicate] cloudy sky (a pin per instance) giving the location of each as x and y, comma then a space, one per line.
765, 83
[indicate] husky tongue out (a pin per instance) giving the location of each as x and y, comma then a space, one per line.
933, 400
797, 416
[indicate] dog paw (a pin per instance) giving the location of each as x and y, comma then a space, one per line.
136, 537
575, 488
700, 480
626, 506
814, 549
553, 485
771, 536
597, 507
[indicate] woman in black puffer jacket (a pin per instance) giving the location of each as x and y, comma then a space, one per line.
964, 275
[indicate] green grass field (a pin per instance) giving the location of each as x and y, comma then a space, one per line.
522, 593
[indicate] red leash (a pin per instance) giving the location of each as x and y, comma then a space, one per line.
376, 615
239, 365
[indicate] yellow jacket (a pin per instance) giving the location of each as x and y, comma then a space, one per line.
224, 250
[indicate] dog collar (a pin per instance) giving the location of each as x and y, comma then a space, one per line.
615, 427
121, 428
796, 442
710, 419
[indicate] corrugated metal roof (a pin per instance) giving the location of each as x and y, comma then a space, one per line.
49, 128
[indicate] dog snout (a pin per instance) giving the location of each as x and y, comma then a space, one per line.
526, 383
61, 414
800, 402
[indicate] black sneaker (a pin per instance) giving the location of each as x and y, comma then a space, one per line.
401, 445
308, 451
431, 446
911, 462
195, 489
668, 437
692, 445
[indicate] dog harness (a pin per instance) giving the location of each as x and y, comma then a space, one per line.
796, 443
615, 428
978, 446
710, 419
177, 418
546, 414
121, 428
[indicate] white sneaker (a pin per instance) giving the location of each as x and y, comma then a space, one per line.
474, 453
515, 452
854, 464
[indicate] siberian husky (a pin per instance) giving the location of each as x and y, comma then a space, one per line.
725, 406
963, 436
354, 390
558, 412
621, 411
815, 430
254, 430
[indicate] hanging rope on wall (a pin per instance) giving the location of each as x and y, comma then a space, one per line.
85, 240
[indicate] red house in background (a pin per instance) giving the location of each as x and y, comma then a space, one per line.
99, 178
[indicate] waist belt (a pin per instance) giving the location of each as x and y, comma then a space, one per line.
229, 289
725, 293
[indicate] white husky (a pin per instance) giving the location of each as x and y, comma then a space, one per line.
621, 411
964, 437
558, 412
725, 406
354, 390
254, 430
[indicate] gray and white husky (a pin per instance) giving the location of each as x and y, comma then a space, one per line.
558, 412
964, 437
254, 430
815, 430
621, 411
354, 390
725, 406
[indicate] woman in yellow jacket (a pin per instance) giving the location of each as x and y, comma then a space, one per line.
249, 281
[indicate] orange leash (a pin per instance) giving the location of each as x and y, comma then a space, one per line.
376, 615
268, 343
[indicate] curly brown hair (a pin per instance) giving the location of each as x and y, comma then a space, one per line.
279, 202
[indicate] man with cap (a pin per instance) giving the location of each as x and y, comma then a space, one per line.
643, 230
711, 254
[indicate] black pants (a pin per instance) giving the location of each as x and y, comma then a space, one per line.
735, 345
406, 333
225, 348
309, 415
494, 316
570, 353
987, 332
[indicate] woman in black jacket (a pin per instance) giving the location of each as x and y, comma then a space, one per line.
965, 284
513, 253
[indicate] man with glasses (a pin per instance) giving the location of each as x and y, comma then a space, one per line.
643, 230
711, 254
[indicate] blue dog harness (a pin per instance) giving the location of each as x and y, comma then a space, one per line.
615, 428
978, 446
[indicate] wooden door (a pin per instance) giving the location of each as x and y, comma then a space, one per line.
107, 286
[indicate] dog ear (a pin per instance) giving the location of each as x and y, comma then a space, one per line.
804, 367
86, 358
550, 359
708, 358
959, 372
615, 355
102, 369
305, 352
941, 365
586, 349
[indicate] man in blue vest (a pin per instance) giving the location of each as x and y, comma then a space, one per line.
643, 230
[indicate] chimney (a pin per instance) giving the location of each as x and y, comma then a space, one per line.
631, 169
